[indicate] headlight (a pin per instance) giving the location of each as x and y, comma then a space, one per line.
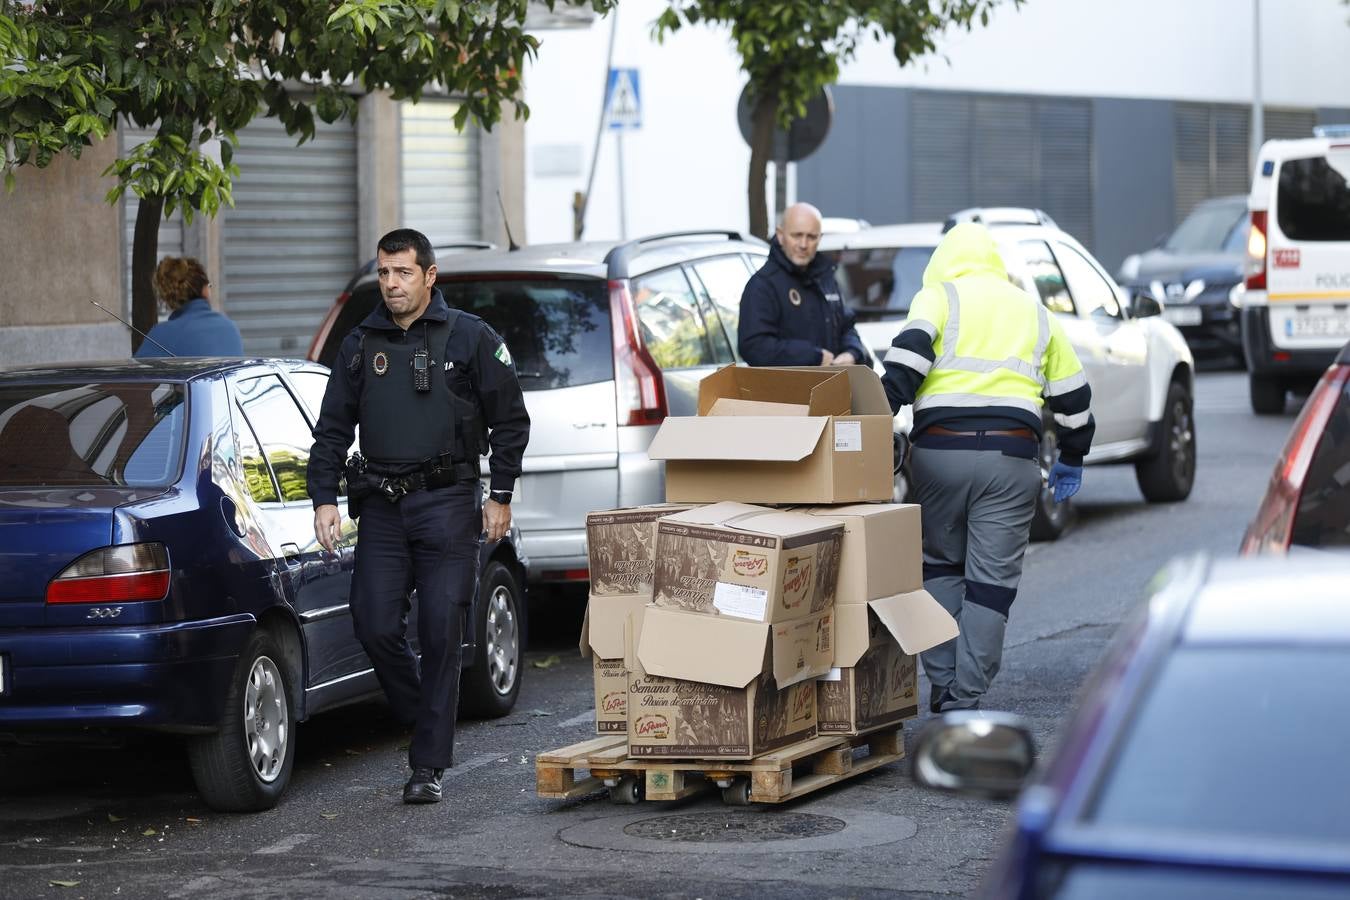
1195, 289
1236, 294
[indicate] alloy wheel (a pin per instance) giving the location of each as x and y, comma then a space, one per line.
265, 719
503, 640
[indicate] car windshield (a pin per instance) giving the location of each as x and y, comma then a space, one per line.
89, 435
1211, 228
881, 281
1225, 745
556, 329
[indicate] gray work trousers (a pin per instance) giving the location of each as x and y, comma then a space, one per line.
977, 511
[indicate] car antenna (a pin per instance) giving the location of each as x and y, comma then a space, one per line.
510, 241
166, 350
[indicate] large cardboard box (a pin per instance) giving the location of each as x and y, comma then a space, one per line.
882, 550
603, 636
724, 688
747, 562
621, 546
874, 682
765, 451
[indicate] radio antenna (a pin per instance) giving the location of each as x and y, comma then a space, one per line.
166, 350
510, 241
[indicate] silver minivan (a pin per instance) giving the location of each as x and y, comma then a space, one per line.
608, 339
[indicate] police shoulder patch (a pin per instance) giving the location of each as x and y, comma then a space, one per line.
502, 355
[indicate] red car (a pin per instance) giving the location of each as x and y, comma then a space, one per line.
1308, 501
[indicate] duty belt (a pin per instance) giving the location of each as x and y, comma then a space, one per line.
394, 487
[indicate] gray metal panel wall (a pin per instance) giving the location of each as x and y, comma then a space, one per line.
170, 229
1288, 124
1333, 115
1132, 177
290, 239
440, 172
1212, 143
861, 170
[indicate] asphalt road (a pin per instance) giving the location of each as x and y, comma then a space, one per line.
126, 822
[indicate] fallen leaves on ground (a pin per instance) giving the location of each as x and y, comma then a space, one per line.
547, 662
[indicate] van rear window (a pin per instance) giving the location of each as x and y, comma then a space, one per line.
1323, 516
1313, 202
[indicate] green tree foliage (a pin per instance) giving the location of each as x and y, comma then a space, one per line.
199, 71
790, 49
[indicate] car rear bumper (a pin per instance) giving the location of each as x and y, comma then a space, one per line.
1264, 358
557, 556
165, 677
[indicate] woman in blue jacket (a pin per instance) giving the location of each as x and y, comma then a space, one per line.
193, 328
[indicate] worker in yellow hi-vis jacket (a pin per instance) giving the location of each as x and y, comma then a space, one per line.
978, 357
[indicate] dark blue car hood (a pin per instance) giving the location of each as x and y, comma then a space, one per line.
43, 530
1214, 268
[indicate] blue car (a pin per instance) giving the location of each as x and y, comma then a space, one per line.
158, 569
1206, 758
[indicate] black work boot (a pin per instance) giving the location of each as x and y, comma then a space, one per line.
937, 696
424, 786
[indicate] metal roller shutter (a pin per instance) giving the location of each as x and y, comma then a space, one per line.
1210, 153
1288, 124
1064, 173
290, 241
440, 173
941, 146
170, 229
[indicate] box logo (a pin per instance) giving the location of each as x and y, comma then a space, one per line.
615, 702
796, 580
750, 565
802, 701
656, 727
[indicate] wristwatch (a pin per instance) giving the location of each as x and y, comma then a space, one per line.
502, 497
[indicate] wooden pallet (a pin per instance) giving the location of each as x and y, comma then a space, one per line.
772, 778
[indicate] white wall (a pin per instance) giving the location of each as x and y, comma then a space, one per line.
687, 166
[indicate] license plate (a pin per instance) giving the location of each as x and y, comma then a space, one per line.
1182, 315
1334, 326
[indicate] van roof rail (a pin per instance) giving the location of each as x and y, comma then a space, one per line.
999, 215
1331, 131
617, 259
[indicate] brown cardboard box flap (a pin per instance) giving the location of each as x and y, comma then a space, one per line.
754, 519
602, 630
750, 438
803, 648
729, 406
916, 620
692, 647
867, 396
821, 390
851, 637
632, 631
716, 513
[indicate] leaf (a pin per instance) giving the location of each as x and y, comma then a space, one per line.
56, 883
149, 832
547, 662
113, 818
329, 815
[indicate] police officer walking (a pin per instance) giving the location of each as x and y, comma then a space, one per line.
432, 389
791, 311
977, 357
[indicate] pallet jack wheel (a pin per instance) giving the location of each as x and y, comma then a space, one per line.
737, 793
627, 791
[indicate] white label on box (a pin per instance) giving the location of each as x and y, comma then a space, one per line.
835, 674
740, 601
848, 437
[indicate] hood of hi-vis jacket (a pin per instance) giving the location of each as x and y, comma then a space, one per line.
968, 249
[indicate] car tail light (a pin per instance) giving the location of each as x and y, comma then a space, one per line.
114, 575
640, 392
1256, 252
326, 328
1274, 522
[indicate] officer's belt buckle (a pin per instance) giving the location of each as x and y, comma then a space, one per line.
393, 488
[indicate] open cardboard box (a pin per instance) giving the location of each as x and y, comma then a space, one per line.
603, 638
749, 562
621, 548
839, 452
874, 682
724, 688
882, 550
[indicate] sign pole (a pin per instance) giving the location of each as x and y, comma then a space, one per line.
623, 199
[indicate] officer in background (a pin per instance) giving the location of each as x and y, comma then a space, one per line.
791, 311
432, 389
977, 358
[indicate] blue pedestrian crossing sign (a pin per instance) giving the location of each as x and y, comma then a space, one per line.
623, 101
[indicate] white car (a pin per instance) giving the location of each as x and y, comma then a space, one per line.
1141, 371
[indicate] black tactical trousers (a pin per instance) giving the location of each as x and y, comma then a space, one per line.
428, 540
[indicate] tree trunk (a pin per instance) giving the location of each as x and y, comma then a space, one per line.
762, 121
144, 250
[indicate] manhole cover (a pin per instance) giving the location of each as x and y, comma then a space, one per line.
734, 828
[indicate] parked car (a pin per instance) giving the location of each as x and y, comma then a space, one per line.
1195, 273
1141, 371
1307, 503
1296, 303
161, 571
1204, 758
608, 338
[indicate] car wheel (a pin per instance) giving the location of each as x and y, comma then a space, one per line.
1267, 395
1052, 519
1168, 477
492, 683
246, 764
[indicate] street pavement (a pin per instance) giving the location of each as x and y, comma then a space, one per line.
126, 822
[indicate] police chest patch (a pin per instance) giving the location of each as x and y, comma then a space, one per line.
502, 355
794, 297
379, 363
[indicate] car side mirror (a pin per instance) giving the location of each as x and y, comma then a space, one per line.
975, 752
1145, 303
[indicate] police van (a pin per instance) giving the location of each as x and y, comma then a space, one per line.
1296, 302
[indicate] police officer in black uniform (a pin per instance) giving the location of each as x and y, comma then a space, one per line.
432, 389
791, 311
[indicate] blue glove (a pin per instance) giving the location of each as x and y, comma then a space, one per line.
1065, 480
